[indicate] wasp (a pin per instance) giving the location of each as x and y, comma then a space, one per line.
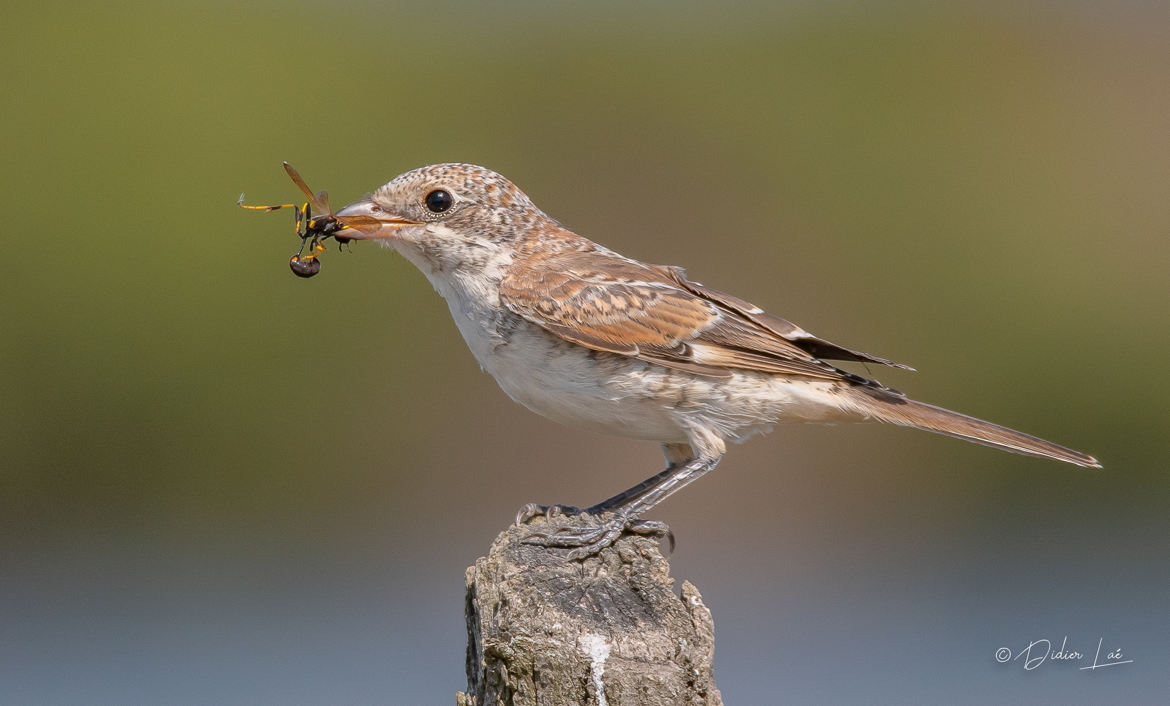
314, 222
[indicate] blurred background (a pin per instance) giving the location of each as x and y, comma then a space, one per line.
223, 484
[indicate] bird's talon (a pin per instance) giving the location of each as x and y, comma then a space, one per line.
578, 554
531, 510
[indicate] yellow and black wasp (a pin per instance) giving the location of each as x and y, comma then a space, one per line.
315, 222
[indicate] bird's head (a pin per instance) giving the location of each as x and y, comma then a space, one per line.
450, 214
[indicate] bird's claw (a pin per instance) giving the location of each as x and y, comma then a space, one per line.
586, 540
532, 510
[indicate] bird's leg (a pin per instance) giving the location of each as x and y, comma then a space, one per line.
587, 540
685, 467
676, 455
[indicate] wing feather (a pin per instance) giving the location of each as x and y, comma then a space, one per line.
783, 328
608, 303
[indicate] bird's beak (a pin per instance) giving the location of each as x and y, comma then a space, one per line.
366, 220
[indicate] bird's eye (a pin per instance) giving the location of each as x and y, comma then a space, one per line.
439, 201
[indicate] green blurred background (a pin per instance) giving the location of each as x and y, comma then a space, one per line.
223, 484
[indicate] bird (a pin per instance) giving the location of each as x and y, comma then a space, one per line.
587, 337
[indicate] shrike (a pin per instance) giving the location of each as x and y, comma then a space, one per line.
590, 338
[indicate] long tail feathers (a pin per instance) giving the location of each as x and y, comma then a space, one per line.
905, 412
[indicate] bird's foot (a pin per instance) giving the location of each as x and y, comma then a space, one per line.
586, 540
532, 510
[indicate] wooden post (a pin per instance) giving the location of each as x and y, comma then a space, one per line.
610, 631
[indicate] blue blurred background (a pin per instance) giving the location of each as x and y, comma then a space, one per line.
226, 485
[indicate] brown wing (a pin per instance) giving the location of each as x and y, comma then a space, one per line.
817, 347
603, 301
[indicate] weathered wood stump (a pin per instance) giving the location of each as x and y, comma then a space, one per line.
544, 631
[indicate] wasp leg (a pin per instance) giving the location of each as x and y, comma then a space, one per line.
241, 204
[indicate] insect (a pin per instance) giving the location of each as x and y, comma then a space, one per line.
315, 222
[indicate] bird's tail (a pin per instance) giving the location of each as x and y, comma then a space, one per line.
887, 406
